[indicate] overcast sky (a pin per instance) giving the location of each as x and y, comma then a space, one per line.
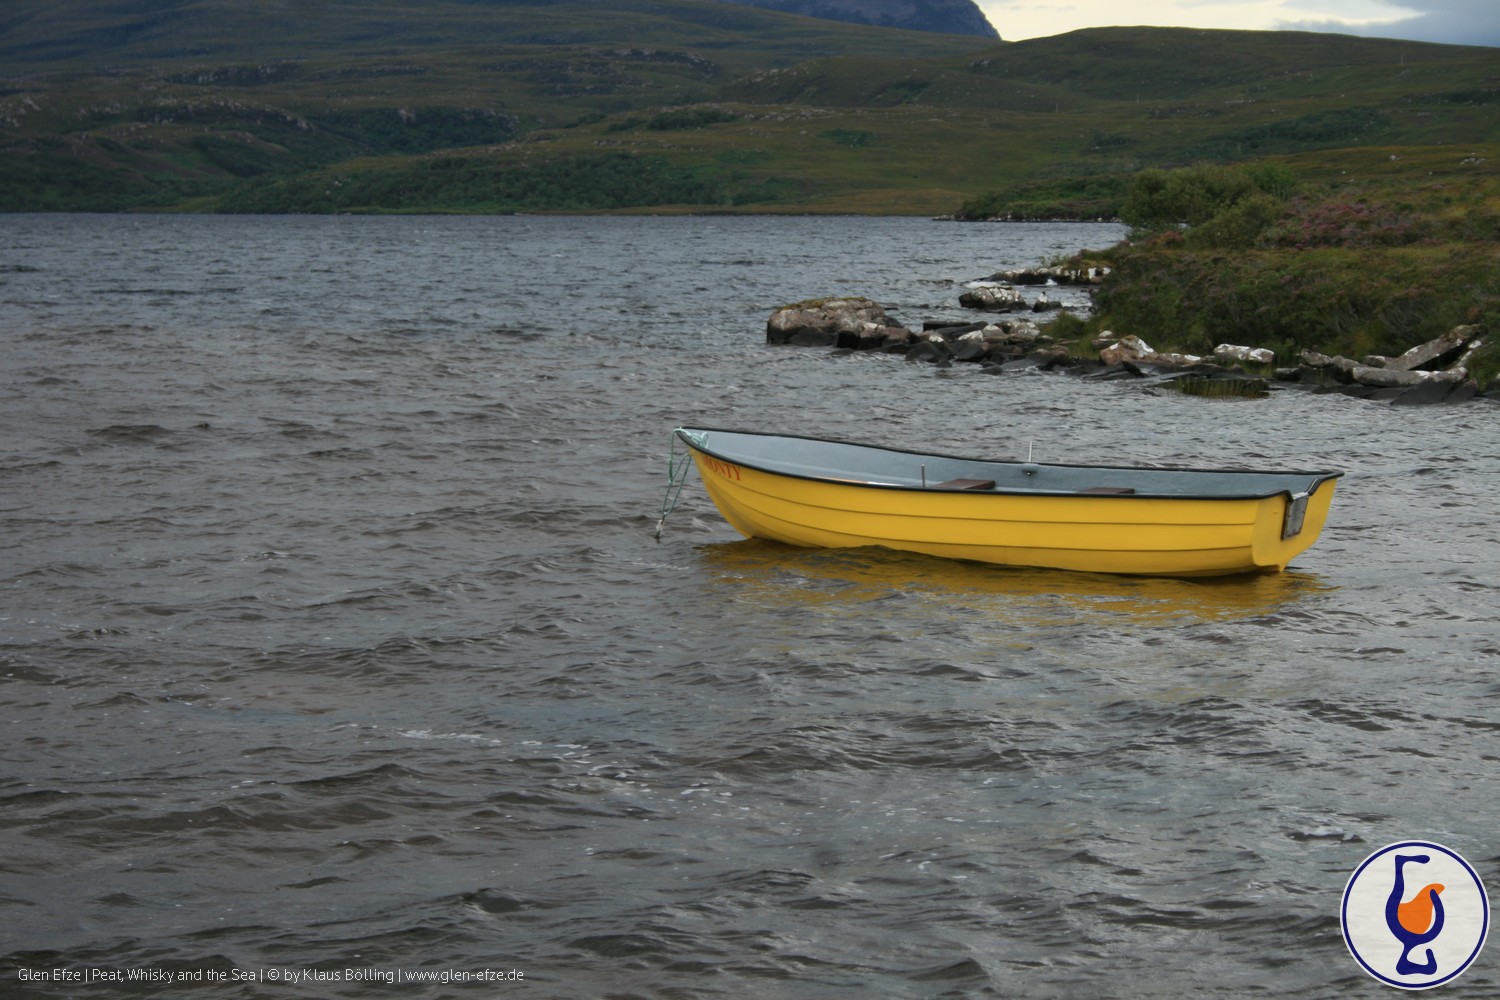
1460, 22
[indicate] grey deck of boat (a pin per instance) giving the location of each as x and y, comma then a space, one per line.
815, 458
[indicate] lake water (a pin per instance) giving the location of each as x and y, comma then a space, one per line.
337, 654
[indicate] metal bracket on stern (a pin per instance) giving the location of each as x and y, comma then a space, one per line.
1296, 511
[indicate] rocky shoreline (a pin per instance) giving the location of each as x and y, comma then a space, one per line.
1435, 372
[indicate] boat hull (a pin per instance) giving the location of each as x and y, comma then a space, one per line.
1145, 535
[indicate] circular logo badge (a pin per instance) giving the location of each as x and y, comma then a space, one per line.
1415, 915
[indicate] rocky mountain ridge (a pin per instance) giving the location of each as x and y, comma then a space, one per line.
950, 17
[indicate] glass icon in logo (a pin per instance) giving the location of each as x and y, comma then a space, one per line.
1414, 915
1416, 921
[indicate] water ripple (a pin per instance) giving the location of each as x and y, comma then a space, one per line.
336, 635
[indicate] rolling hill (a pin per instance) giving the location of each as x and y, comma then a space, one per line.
684, 105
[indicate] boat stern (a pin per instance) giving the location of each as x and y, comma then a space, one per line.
1289, 523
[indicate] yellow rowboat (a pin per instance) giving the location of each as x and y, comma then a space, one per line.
1098, 519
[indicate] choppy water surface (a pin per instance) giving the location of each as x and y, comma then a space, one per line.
334, 640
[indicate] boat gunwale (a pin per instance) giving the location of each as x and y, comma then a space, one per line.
1318, 477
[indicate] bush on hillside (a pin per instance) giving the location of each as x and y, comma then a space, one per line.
1068, 198
1163, 199
454, 183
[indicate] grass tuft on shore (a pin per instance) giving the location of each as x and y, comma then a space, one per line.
1368, 264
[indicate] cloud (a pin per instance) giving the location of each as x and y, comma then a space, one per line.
1455, 22
1466, 22
1018, 19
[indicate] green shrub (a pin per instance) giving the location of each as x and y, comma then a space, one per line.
477, 183
686, 118
1239, 226
852, 137
1334, 300
1159, 199
1098, 197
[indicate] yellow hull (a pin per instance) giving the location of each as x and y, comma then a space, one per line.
1159, 536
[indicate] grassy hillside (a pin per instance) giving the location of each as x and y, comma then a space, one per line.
49, 35
110, 104
484, 105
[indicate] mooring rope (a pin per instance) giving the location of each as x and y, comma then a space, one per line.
677, 472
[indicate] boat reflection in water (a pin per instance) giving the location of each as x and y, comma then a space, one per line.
778, 576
